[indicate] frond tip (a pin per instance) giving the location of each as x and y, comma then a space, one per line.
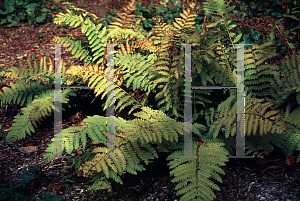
193, 174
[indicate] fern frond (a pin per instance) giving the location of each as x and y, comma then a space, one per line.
293, 134
193, 173
94, 34
124, 20
262, 145
20, 93
31, 72
290, 81
38, 109
255, 114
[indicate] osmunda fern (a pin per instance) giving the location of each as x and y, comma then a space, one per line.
33, 90
138, 141
133, 140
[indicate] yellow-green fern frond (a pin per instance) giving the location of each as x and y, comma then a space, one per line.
95, 35
31, 72
137, 69
41, 107
153, 127
193, 174
256, 116
129, 144
31, 81
73, 18
184, 24
258, 75
22, 93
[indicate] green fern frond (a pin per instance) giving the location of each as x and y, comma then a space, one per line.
193, 174
293, 134
262, 145
219, 7
130, 141
259, 76
95, 36
290, 81
39, 108
20, 93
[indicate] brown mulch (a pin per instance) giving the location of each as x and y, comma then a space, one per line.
244, 178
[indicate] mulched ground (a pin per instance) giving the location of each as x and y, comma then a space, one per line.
244, 178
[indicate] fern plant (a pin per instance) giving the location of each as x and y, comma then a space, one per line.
156, 76
33, 90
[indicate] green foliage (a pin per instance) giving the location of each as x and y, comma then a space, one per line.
19, 190
161, 77
149, 70
269, 7
34, 90
2, 72
41, 35
1, 131
190, 172
274, 9
14, 12
252, 37
293, 136
260, 146
47, 197
287, 78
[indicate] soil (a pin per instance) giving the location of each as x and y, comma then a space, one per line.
245, 179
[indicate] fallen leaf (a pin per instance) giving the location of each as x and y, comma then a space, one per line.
29, 149
76, 33
36, 36
31, 50
8, 178
290, 160
271, 167
261, 161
